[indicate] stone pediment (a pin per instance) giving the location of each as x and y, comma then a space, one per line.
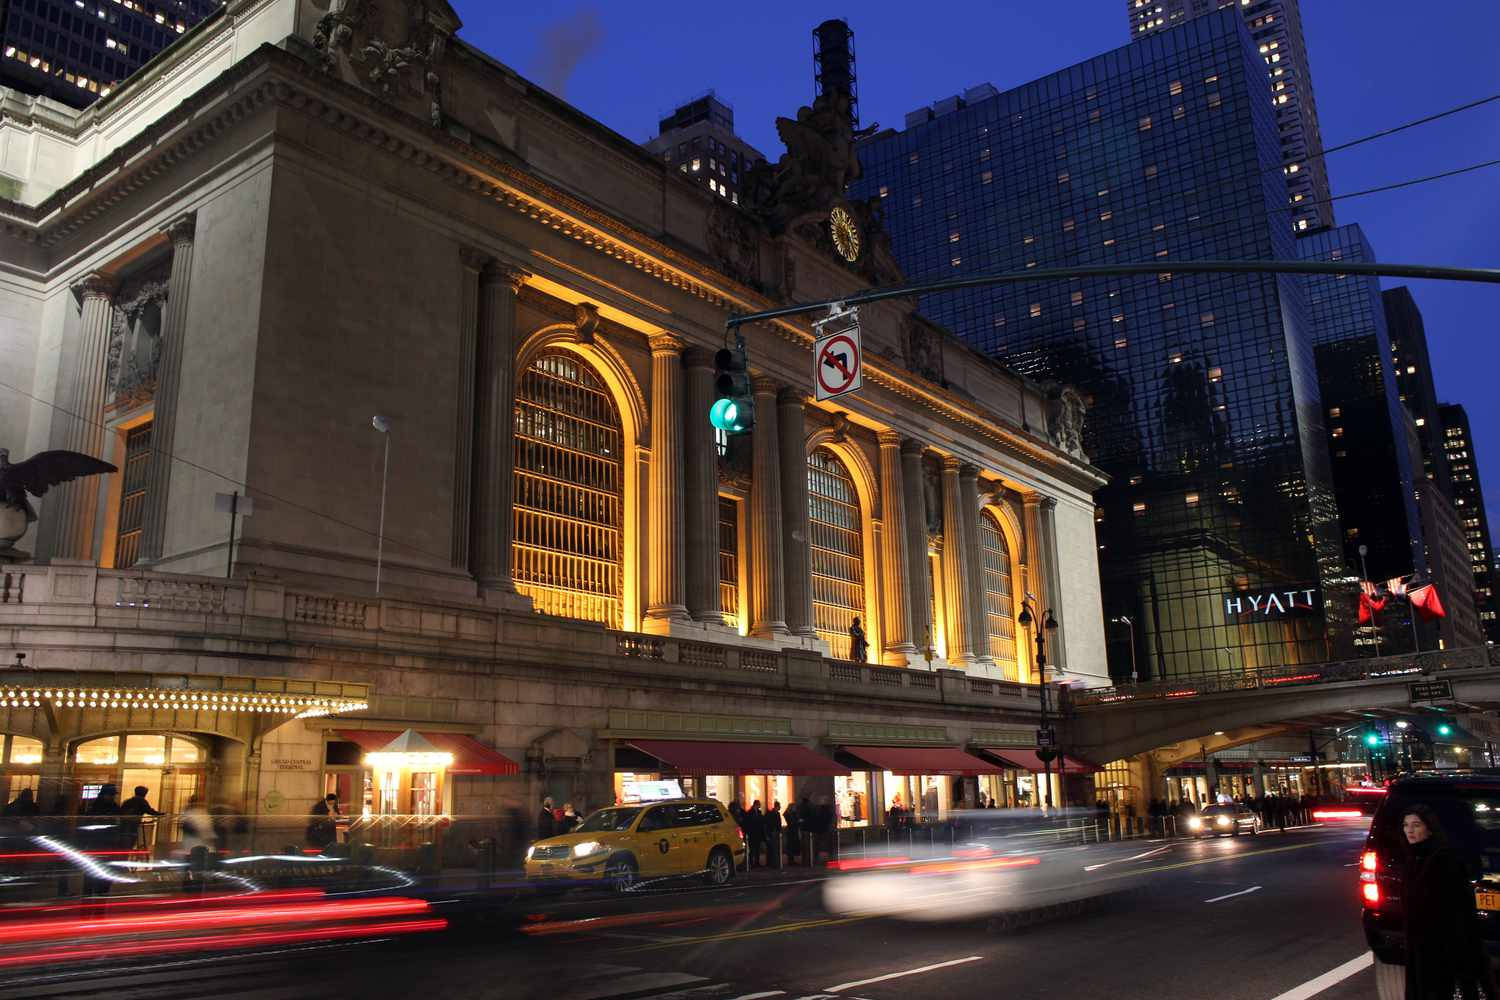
393, 48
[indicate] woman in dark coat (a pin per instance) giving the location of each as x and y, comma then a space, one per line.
1443, 946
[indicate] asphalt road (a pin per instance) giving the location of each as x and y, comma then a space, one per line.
1274, 917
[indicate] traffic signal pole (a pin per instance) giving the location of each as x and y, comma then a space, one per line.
984, 280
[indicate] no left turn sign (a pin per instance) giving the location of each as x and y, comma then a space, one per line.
837, 364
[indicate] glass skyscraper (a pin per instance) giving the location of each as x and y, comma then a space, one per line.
1218, 533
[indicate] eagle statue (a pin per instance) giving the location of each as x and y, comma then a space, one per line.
35, 476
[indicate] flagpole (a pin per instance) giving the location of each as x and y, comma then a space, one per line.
1374, 618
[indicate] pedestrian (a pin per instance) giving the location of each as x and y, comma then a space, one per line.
103, 834
570, 819
773, 836
133, 811
198, 826
827, 826
809, 826
755, 833
793, 833
21, 813
1444, 951
546, 822
323, 822
859, 648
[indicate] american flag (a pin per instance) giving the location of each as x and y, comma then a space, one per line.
1367, 587
1397, 585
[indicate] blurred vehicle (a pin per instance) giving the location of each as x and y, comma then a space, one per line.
620, 845
1468, 807
1227, 818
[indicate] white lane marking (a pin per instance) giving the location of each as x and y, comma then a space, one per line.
1136, 857
897, 975
1242, 892
1332, 977
762, 996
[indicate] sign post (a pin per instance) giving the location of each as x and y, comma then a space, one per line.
1441, 690
838, 358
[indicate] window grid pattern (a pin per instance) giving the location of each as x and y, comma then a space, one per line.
132, 496
837, 550
729, 561
569, 484
999, 616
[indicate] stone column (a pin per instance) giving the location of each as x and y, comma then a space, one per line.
957, 597
665, 602
495, 419
1035, 582
461, 544
1057, 648
168, 382
895, 580
701, 490
76, 504
796, 539
767, 590
968, 491
919, 596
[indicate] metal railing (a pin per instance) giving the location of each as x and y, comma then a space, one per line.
1263, 678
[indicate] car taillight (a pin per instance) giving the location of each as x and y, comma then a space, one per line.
1371, 891
1368, 861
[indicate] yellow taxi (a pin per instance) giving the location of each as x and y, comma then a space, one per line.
624, 844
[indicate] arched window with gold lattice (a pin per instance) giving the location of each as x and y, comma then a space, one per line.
999, 600
838, 570
569, 491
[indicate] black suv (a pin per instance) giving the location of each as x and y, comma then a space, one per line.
1468, 806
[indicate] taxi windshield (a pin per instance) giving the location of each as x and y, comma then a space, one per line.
609, 820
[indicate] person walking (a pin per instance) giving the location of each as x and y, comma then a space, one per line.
570, 819
198, 826
773, 836
103, 834
546, 820
1444, 951
793, 833
323, 822
21, 813
133, 812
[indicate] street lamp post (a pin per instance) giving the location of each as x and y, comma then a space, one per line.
1135, 677
383, 425
1047, 623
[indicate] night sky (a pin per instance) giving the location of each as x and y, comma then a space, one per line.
1375, 64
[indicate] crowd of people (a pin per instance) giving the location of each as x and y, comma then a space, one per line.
800, 835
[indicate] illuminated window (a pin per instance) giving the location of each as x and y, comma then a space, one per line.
101, 751
999, 621
884, 191
569, 485
1139, 507
697, 163
1062, 178
986, 177
1179, 112
1174, 88
1076, 298
1150, 170
25, 750
1144, 125
837, 550
1121, 343
729, 562
1214, 100
1191, 499
1067, 225
952, 237
1206, 319
132, 495
1036, 309
1216, 374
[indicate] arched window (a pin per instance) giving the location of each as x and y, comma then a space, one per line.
838, 572
569, 492
999, 604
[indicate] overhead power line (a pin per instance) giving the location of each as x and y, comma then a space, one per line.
1401, 128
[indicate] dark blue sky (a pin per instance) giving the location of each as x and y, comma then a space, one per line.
1375, 63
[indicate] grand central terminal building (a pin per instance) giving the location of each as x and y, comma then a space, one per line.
541, 558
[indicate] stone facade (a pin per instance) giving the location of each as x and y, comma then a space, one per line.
343, 234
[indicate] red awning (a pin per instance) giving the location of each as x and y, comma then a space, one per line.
1027, 760
697, 757
924, 760
469, 755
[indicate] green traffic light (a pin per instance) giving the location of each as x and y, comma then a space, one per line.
1445, 730
725, 416
1371, 739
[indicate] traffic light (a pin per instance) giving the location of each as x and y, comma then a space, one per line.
1445, 730
733, 409
1372, 739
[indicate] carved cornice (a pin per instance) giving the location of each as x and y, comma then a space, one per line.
666, 343
892, 439
498, 272
97, 285
181, 230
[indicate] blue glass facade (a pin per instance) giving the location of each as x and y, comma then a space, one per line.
1205, 398
1369, 437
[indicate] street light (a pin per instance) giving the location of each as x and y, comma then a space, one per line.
1048, 623
1126, 620
383, 425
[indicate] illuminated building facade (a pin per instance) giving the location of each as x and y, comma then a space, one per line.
1468, 499
698, 139
1205, 402
569, 567
77, 53
1276, 31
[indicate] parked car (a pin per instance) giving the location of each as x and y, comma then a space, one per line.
623, 844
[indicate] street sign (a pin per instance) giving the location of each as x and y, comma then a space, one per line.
1046, 737
1432, 691
838, 358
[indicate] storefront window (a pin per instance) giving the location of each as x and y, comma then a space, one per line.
424, 793
721, 788
24, 750
101, 751
925, 796
852, 793
1112, 784
185, 752
389, 786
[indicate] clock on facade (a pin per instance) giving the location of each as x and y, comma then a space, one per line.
845, 232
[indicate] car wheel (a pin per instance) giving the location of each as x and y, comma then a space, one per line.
620, 873
1390, 981
720, 867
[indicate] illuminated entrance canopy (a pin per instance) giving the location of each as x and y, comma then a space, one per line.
176, 692
1270, 603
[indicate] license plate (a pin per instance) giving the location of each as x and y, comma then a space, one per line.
1488, 900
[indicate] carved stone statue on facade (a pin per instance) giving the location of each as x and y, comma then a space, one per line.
735, 244
35, 476
1066, 410
924, 350
395, 45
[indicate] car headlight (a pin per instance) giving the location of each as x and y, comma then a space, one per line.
586, 848
1194, 823
529, 851
1223, 820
